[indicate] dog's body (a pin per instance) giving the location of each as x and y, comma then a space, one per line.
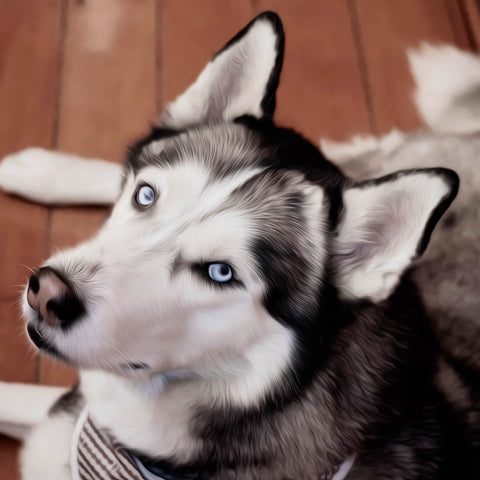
248, 312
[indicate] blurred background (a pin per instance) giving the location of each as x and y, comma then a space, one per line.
89, 76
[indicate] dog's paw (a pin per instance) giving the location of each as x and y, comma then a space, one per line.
31, 173
57, 178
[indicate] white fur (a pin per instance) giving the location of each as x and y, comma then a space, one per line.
46, 452
57, 178
23, 406
447, 87
344, 469
361, 145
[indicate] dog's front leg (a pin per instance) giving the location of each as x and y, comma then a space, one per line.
56, 178
23, 406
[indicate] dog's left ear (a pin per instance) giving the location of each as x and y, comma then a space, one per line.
387, 223
241, 79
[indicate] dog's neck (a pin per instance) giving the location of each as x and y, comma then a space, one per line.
161, 405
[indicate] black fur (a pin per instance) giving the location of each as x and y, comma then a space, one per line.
133, 161
70, 402
286, 149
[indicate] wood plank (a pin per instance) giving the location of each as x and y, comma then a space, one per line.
321, 88
471, 16
459, 20
108, 92
23, 243
28, 80
29, 40
77, 225
55, 373
17, 355
28, 83
9, 452
387, 29
108, 97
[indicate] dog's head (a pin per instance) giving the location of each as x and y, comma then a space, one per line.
233, 240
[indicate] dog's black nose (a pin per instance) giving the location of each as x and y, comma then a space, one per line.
53, 299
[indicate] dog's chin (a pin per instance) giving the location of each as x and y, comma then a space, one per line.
44, 345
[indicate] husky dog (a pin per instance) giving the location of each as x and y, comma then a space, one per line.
248, 311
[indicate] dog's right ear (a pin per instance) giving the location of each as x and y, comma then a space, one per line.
385, 225
241, 79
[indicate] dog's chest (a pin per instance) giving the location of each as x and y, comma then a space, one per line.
156, 425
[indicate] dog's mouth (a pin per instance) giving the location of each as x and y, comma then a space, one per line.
42, 343
46, 346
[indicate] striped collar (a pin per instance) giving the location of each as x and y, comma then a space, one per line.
95, 455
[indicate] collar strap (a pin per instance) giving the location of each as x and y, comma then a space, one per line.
159, 469
156, 470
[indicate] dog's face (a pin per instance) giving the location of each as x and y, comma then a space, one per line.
228, 230
174, 278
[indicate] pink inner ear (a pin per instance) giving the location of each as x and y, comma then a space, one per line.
382, 225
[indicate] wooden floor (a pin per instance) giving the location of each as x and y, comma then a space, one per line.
88, 76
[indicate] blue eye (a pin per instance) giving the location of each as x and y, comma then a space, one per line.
220, 272
145, 196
